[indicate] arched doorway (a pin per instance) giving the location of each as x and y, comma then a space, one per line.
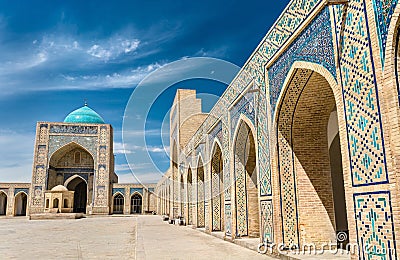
217, 188
118, 204
247, 208
79, 186
3, 203
73, 166
200, 195
136, 204
20, 204
190, 196
309, 161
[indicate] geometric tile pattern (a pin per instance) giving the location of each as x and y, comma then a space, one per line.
200, 197
287, 176
363, 120
228, 220
120, 190
24, 190
264, 165
216, 184
291, 18
312, 45
266, 221
226, 160
375, 230
244, 106
240, 179
383, 14
190, 192
216, 132
138, 190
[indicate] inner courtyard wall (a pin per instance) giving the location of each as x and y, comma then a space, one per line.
347, 41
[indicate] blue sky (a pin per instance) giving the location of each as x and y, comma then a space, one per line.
54, 54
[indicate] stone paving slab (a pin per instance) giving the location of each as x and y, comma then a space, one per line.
159, 240
88, 238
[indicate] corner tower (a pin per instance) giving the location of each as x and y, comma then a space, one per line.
78, 154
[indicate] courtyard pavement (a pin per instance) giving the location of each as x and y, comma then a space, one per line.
111, 237
88, 238
116, 237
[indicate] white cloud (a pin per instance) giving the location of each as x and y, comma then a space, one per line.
112, 48
99, 52
119, 148
130, 45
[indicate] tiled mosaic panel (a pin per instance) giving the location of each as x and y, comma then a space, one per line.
215, 133
291, 19
191, 203
120, 190
266, 221
206, 218
313, 45
383, 14
287, 175
263, 148
183, 201
257, 70
216, 190
58, 141
240, 178
374, 220
226, 160
39, 169
228, 220
133, 190
200, 202
24, 190
366, 147
244, 106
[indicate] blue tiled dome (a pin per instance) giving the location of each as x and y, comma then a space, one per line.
84, 115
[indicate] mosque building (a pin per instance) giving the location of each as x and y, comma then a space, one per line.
73, 171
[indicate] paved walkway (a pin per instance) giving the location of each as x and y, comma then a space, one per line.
118, 237
89, 238
160, 240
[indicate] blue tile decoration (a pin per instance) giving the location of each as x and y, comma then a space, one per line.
360, 95
139, 190
267, 221
384, 10
120, 190
17, 190
375, 229
313, 45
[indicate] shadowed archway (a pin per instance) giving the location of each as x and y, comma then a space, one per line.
3, 203
247, 208
118, 203
79, 186
309, 161
217, 189
20, 204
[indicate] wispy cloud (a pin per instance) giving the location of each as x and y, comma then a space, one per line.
120, 148
113, 48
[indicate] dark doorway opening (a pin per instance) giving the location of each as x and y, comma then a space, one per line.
136, 204
80, 195
118, 204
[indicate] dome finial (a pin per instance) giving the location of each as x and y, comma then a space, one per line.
85, 102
